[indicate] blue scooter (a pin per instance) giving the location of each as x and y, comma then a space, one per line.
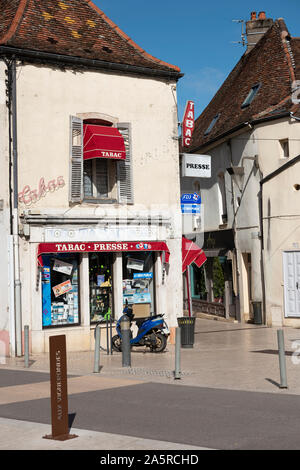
152, 332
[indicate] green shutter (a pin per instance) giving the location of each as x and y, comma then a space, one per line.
125, 182
76, 159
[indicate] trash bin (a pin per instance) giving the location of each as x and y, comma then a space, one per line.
187, 327
257, 313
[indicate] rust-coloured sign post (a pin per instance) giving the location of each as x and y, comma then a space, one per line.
59, 390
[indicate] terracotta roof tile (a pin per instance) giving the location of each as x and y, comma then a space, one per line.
271, 64
71, 27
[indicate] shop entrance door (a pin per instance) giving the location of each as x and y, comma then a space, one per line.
100, 279
291, 270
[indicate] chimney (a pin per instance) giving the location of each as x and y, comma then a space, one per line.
256, 27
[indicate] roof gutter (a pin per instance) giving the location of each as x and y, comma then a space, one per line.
28, 54
239, 127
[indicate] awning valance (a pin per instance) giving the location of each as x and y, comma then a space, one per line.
96, 247
191, 253
103, 142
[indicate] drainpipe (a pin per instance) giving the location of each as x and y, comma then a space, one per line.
17, 282
238, 316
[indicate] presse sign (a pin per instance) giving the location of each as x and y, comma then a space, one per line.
198, 166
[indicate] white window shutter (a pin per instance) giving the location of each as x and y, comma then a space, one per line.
125, 181
76, 159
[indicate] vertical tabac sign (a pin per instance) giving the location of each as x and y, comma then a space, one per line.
59, 392
188, 124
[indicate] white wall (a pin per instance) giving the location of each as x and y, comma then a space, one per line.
281, 212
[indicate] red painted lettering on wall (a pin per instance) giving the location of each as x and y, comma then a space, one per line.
29, 196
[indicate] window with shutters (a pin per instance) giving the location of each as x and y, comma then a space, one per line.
99, 180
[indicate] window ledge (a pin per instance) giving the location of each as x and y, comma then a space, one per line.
100, 201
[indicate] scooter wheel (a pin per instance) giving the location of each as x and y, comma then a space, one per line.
116, 343
161, 343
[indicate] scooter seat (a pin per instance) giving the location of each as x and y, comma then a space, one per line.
140, 321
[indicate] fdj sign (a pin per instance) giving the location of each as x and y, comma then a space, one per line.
190, 203
189, 198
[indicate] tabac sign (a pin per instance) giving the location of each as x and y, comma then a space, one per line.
188, 124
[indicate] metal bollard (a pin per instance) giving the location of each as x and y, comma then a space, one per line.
97, 350
26, 346
110, 329
282, 363
107, 336
126, 351
177, 353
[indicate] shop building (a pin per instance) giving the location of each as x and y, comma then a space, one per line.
94, 165
250, 129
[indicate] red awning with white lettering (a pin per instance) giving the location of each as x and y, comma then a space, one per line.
97, 247
103, 142
191, 253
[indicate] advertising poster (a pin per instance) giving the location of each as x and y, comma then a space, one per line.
62, 267
62, 288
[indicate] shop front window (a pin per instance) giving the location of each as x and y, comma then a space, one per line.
100, 278
60, 293
138, 283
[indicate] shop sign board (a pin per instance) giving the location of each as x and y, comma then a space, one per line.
190, 203
188, 124
196, 166
90, 247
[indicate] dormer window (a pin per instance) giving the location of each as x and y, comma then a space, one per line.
213, 122
251, 95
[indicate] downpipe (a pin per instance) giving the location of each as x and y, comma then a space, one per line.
15, 216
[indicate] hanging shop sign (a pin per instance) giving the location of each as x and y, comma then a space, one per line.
90, 247
197, 166
190, 203
188, 124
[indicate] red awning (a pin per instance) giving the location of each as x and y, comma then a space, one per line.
191, 253
92, 247
102, 142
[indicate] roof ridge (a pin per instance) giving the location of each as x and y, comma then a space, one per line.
285, 41
127, 38
15, 23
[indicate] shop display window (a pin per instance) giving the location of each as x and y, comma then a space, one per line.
60, 290
100, 278
138, 282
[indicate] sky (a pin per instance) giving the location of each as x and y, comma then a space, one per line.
199, 37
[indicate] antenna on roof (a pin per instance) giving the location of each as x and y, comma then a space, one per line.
243, 41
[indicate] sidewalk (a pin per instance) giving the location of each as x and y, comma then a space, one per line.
226, 356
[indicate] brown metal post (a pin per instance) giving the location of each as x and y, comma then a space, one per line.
59, 390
